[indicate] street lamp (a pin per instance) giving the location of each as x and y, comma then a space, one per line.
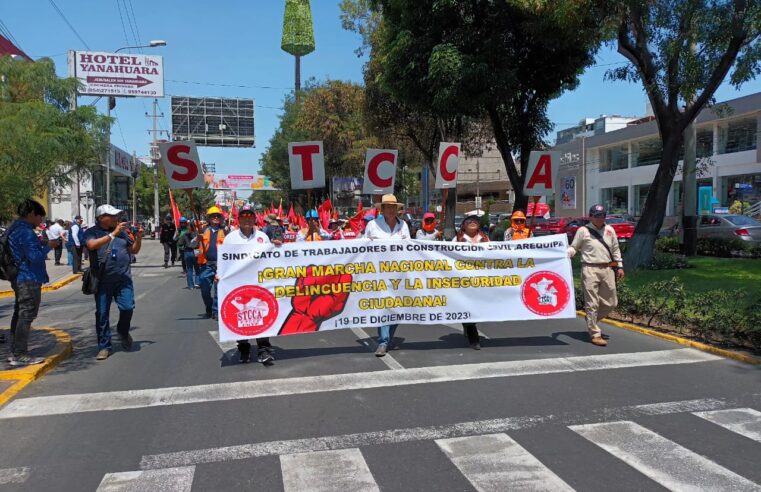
112, 103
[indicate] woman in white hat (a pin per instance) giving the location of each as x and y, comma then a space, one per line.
387, 227
470, 232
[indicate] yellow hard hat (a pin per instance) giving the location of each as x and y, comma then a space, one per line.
518, 214
214, 210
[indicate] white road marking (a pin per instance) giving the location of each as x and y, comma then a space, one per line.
223, 346
327, 471
395, 436
166, 480
371, 344
495, 462
241, 390
666, 462
743, 421
13, 475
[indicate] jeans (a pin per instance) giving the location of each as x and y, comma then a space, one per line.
386, 334
124, 294
208, 287
69, 256
25, 309
192, 271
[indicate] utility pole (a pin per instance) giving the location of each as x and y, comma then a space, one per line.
155, 159
135, 170
109, 101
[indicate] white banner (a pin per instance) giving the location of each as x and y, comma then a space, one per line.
181, 164
306, 287
117, 74
307, 162
449, 162
380, 171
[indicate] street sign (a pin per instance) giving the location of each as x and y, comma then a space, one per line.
380, 171
449, 161
181, 164
541, 173
478, 202
307, 162
117, 74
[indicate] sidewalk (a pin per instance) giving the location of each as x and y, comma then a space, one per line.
56, 274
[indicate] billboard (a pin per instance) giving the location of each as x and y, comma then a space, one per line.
120, 161
213, 121
253, 182
117, 74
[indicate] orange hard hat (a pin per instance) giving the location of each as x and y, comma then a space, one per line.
518, 215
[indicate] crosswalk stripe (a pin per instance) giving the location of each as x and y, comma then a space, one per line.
162, 480
13, 475
239, 390
662, 460
411, 434
327, 471
743, 421
495, 462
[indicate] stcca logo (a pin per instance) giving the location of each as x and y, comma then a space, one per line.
249, 310
545, 293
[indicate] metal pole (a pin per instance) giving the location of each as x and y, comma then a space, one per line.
154, 148
583, 175
108, 153
298, 75
135, 169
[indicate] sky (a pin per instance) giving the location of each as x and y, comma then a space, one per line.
231, 48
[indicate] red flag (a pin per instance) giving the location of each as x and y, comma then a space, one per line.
291, 215
175, 210
326, 205
259, 220
359, 206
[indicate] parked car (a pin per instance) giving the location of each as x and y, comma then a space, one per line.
730, 227
553, 225
624, 229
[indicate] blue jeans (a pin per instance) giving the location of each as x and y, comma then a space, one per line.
124, 294
192, 271
386, 334
208, 288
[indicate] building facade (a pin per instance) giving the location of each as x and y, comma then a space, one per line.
617, 168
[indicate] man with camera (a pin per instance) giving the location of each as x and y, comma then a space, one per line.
601, 265
111, 244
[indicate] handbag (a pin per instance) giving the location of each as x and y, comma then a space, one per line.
90, 279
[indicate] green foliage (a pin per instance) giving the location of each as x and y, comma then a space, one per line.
668, 244
668, 261
723, 248
298, 32
42, 141
738, 207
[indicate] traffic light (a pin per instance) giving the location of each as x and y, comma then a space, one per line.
111, 102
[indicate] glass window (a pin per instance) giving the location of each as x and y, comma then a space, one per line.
614, 158
616, 200
640, 197
704, 142
741, 220
739, 135
744, 187
647, 152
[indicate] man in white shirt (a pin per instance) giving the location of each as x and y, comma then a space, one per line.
54, 232
247, 233
387, 227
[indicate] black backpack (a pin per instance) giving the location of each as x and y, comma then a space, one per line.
8, 266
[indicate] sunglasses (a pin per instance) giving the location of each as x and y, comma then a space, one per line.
519, 221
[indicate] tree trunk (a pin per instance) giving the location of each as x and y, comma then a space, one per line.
639, 251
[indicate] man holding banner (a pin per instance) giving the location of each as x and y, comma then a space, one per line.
388, 227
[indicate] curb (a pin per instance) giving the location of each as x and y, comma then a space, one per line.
26, 375
729, 354
49, 287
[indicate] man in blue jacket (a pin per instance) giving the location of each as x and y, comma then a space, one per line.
29, 253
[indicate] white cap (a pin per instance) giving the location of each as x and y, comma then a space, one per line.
107, 210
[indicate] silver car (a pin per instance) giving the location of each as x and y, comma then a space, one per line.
730, 227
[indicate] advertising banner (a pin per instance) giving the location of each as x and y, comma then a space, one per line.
121, 162
307, 162
265, 290
254, 182
380, 171
117, 74
568, 192
181, 164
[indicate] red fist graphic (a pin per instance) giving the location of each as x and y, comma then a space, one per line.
309, 311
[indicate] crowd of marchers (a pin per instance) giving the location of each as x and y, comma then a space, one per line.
112, 245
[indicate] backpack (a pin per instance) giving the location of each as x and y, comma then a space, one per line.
8, 267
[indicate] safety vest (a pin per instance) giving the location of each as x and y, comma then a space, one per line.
204, 240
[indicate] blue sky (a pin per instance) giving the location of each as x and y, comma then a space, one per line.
237, 42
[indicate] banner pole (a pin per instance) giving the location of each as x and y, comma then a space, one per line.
535, 199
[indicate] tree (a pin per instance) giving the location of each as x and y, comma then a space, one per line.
203, 198
506, 60
43, 141
682, 51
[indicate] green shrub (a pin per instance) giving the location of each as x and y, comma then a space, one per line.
723, 248
668, 244
750, 331
716, 313
668, 261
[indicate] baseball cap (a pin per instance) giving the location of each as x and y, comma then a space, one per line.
368, 217
312, 214
597, 210
77, 217
246, 209
429, 215
107, 210
183, 220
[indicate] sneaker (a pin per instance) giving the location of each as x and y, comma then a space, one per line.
208, 313
166, 266
599, 341
103, 354
25, 360
475, 346
264, 356
127, 342
381, 350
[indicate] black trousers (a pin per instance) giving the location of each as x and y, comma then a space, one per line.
58, 252
170, 252
471, 331
76, 252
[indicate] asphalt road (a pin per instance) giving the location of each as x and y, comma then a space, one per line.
539, 408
